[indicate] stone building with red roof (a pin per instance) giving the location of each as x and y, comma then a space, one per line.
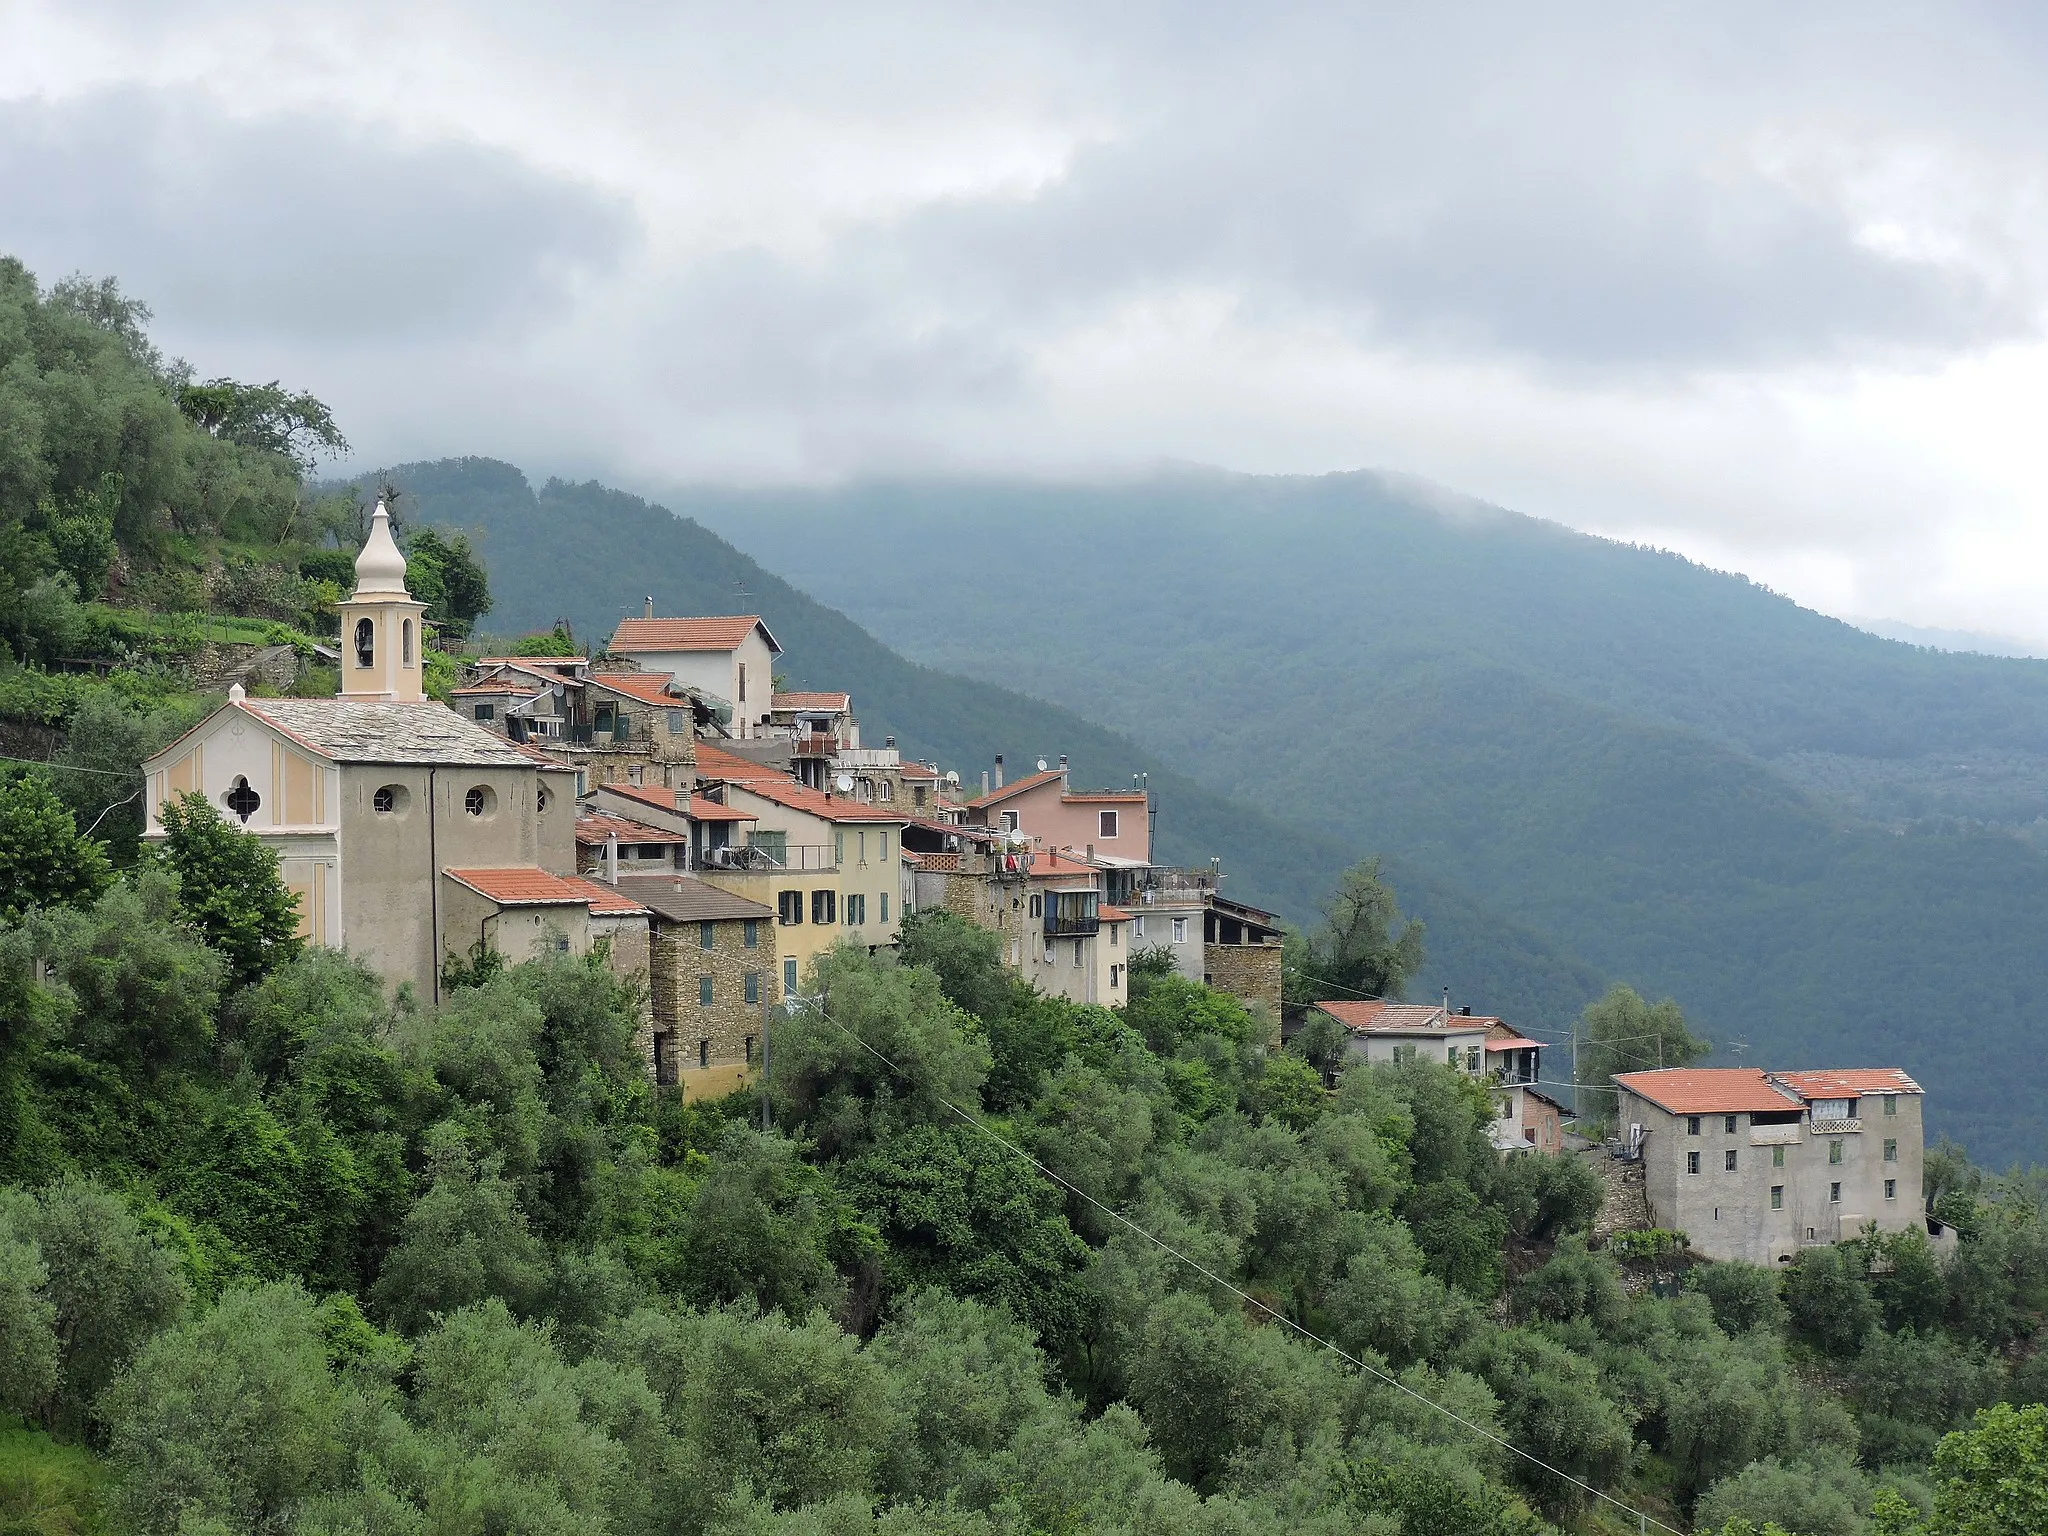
1756, 1165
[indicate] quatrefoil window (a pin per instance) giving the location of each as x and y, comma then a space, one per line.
241, 799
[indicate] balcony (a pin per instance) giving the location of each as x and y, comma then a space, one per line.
1835, 1127
1072, 915
1775, 1136
771, 857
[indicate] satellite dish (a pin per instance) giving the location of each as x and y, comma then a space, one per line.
953, 777
1041, 765
844, 783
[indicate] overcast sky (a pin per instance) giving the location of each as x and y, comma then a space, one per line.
1763, 283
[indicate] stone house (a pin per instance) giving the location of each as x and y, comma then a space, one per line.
712, 979
1756, 1165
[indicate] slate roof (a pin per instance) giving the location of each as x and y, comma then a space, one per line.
1709, 1090
725, 633
681, 899
364, 731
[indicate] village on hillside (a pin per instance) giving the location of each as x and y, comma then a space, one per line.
666, 805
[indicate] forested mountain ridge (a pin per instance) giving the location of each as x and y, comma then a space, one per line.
591, 555
1818, 840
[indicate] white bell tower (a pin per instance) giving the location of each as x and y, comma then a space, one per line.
382, 628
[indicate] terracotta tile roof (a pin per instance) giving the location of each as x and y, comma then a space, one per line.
501, 686
715, 634
1017, 787
1848, 1083
1111, 914
1378, 1018
537, 662
836, 702
1511, 1043
717, 763
681, 899
530, 886
1708, 1090
596, 828
797, 797
1046, 865
918, 771
607, 901
696, 807
648, 687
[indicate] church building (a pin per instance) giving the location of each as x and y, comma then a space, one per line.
408, 833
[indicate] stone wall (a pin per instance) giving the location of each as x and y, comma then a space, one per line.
722, 1043
1250, 973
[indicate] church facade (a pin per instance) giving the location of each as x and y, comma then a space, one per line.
371, 798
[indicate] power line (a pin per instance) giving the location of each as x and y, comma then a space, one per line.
816, 1006
39, 762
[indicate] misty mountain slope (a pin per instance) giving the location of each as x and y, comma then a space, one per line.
1659, 767
591, 555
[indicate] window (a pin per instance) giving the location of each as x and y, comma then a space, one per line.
753, 996
885, 906
405, 644
1692, 1125
385, 801
477, 801
750, 935
707, 935
704, 991
1834, 1151
1728, 1125
664, 1057
743, 682
1114, 971
1471, 1058
1037, 905
1692, 1162
1891, 1150
366, 643
838, 847
1891, 1189
750, 1050
703, 1053
1106, 824
1454, 1056
634, 773
856, 911
1777, 1197
789, 908
540, 800
1049, 959
917, 796
1114, 937
1079, 945
241, 799
678, 724
883, 842
1891, 1103
885, 791
1728, 1161
1180, 930
1777, 1157
1009, 821
824, 906
1138, 925
1834, 1194
487, 711
862, 844
789, 977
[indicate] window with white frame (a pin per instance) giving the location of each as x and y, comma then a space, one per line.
1180, 930
1106, 824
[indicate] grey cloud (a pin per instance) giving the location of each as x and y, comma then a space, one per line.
292, 226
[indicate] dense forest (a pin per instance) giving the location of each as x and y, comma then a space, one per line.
281, 1251
1823, 841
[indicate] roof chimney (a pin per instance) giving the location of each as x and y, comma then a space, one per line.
999, 770
888, 741
984, 783
1465, 1012
650, 605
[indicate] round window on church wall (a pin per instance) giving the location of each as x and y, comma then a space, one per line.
390, 800
540, 799
241, 799
479, 801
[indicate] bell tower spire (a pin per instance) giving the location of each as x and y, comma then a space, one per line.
382, 628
